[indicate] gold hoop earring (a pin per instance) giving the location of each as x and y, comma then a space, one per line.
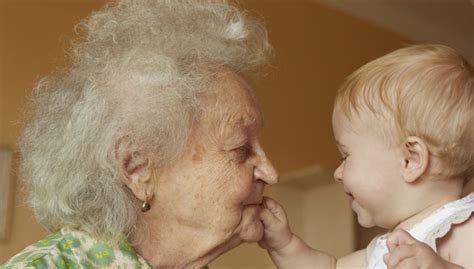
145, 206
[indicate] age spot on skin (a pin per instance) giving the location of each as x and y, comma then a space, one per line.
199, 151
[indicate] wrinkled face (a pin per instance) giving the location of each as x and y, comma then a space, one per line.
217, 183
370, 170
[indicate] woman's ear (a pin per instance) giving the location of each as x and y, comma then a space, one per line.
417, 157
134, 168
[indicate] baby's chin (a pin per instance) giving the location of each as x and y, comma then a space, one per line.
365, 221
364, 218
250, 228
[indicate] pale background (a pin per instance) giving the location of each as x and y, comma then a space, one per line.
317, 45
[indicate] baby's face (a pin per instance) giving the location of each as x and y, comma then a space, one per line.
370, 170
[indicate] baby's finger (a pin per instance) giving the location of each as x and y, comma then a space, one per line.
276, 209
408, 264
268, 219
398, 255
399, 237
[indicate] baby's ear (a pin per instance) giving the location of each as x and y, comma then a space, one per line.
134, 167
417, 157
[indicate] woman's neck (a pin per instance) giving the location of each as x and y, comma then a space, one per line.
174, 246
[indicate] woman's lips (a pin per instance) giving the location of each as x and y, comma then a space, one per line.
254, 201
256, 196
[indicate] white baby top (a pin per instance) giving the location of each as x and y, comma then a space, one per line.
428, 230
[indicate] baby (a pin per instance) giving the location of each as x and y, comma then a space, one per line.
404, 124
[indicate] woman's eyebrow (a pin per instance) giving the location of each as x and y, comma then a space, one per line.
248, 122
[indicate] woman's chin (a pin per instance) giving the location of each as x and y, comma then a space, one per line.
250, 228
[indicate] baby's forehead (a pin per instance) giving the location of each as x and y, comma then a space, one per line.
363, 125
358, 117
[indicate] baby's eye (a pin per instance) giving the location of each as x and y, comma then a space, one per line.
343, 158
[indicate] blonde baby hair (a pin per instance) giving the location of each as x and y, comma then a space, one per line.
421, 90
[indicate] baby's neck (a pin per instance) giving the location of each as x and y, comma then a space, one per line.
442, 193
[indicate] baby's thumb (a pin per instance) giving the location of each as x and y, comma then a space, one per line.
267, 218
399, 237
275, 208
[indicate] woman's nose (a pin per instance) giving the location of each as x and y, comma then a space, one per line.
265, 171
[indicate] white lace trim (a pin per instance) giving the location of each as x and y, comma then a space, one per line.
459, 211
435, 226
446, 226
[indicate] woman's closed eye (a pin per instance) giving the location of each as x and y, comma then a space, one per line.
243, 151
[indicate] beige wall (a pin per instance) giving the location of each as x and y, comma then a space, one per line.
316, 48
3, 99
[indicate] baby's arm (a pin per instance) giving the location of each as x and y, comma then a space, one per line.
288, 251
407, 252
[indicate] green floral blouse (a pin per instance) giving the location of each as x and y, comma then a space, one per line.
70, 249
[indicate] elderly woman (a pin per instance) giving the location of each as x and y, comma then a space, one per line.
144, 152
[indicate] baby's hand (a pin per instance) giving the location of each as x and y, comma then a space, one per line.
277, 233
407, 252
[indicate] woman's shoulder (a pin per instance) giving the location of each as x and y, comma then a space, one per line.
69, 248
41, 254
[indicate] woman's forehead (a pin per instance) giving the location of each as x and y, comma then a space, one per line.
231, 101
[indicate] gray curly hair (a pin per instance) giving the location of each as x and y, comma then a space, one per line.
137, 72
